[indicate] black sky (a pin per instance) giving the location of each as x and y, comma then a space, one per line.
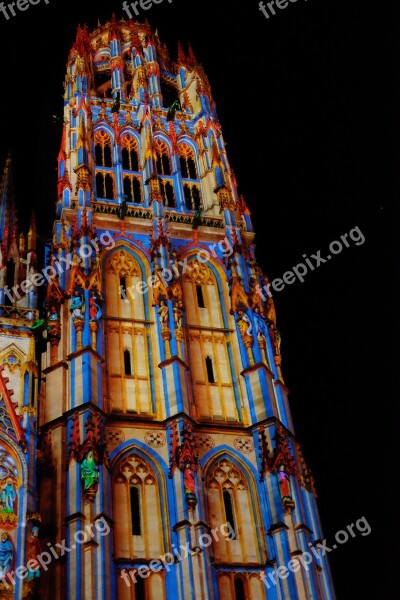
309, 105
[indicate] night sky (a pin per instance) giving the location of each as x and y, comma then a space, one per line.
309, 106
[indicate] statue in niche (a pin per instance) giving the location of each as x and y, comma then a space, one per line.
178, 314
188, 476
284, 482
33, 549
53, 322
260, 325
163, 314
245, 327
276, 339
94, 310
89, 471
77, 307
244, 323
8, 496
6, 554
52, 314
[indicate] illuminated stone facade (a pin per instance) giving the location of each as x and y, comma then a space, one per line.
163, 410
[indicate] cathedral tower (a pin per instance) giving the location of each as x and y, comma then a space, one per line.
171, 468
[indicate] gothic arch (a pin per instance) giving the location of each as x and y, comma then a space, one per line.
217, 273
190, 172
12, 356
103, 142
187, 141
209, 343
102, 55
163, 147
129, 391
130, 130
135, 467
129, 259
104, 127
162, 137
130, 157
13, 359
239, 585
130, 140
225, 471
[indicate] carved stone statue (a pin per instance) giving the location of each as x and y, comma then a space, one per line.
6, 554
178, 313
188, 476
244, 324
53, 323
77, 307
163, 314
33, 549
94, 310
284, 482
8, 495
89, 471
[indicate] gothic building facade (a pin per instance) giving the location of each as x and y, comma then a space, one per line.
149, 433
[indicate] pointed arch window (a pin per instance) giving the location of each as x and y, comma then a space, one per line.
105, 185
191, 188
140, 589
128, 379
232, 498
103, 149
210, 370
122, 288
188, 162
127, 362
168, 193
136, 520
200, 296
163, 158
240, 593
137, 509
195, 197
130, 153
133, 188
229, 513
192, 196
188, 196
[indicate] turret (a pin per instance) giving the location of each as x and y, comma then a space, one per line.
8, 218
116, 62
